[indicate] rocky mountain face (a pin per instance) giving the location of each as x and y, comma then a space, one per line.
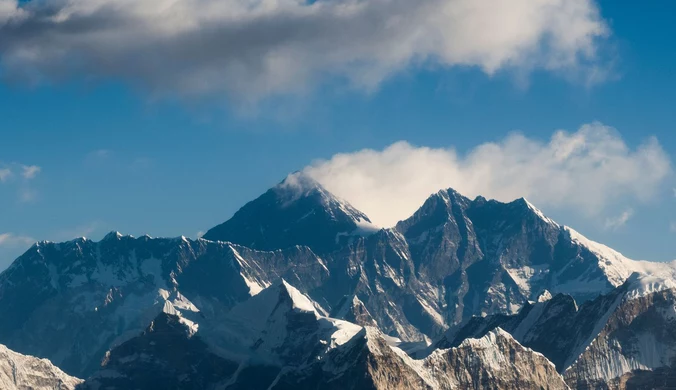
19, 372
74, 301
637, 338
298, 211
299, 290
285, 344
611, 342
453, 259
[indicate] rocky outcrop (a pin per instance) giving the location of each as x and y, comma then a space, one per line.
495, 361
20, 372
638, 338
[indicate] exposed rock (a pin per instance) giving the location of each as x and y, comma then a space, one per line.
21, 372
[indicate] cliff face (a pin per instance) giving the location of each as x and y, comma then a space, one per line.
21, 372
639, 337
495, 361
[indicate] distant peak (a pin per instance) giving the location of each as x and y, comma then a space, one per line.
114, 235
490, 339
299, 179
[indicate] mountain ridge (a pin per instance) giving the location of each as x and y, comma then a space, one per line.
452, 263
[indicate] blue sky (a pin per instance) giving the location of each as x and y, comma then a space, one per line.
124, 150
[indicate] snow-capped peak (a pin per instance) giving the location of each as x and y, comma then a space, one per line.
114, 235
489, 340
539, 213
280, 296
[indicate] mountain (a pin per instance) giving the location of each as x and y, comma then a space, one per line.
456, 258
636, 347
286, 344
622, 340
71, 302
495, 361
297, 211
18, 372
319, 288
276, 331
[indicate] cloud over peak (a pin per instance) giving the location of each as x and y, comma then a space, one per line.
583, 171
257, 48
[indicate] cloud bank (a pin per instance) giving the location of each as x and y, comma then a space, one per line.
583, 171
257, 48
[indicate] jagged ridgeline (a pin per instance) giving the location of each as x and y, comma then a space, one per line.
300, 290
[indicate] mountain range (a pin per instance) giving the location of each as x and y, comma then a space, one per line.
299, 290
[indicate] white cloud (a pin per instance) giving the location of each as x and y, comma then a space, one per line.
582, 171
257, 48
617, 222
5, 174
30, 171
13, 240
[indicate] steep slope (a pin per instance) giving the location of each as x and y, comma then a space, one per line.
278, 340
164, 356
637, 344
19, 372
617, 341
298, 211
495, 361
278, 330
556, 327
71, 302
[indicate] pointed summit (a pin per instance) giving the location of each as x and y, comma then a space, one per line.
297, 211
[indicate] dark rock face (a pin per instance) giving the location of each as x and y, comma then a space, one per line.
639, 336
555, 328
164, 356
298, 211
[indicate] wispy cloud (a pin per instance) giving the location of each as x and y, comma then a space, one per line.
582, 171
250, 49
14, 240
617, 222
5, 174
30, 171
20, 176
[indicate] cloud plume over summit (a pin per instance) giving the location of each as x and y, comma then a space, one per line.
582, 170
